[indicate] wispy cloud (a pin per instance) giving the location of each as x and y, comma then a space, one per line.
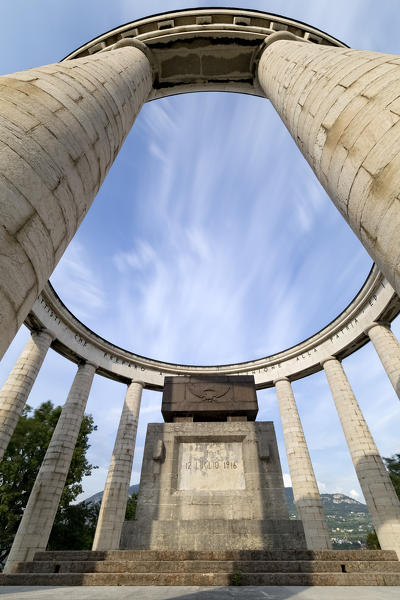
78, 281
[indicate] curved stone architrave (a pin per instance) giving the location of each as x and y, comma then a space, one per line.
207, 49
343, 336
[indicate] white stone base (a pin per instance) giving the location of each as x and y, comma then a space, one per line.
212, 486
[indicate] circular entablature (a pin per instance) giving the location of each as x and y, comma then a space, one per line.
208, 49
347, 333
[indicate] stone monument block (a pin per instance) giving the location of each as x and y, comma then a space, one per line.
211, 485
209, 398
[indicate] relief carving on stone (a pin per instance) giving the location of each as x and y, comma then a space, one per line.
210, 391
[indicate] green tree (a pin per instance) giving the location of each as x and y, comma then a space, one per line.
74, 527
18, 471
130, 513
393, 466
372, 541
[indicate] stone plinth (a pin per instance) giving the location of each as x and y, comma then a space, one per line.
209, 398
211, 486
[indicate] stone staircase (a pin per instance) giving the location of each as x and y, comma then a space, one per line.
248, 567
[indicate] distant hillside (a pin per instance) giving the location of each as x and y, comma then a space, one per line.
338, 504
98, 496
333, 504
347, 519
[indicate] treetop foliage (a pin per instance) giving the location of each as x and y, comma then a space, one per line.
20, 466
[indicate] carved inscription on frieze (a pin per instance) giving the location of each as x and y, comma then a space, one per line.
211, 466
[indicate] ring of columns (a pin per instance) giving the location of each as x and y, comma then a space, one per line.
61, 129
375, 303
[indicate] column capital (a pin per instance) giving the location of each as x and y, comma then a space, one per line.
324, 360
49, 333
277, 36
135, 43
274, 37
88, 363
138, 381
384, 324
43, 332
282, 378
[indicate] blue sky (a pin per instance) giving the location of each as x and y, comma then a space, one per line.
211, 240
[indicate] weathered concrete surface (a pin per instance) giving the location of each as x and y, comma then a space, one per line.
342, 108
211, 486
38, 518
380, 496
115, 497
16, 389
199, 593
305, 489
293, 567
61, 127
388, 349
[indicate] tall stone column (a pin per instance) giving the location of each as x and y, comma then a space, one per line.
61, 127
16, 389
380, 496
38, 518
342, 108
113, 505
305, 489
388, 349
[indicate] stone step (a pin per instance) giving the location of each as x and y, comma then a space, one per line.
201, 579
231, 555
201, 566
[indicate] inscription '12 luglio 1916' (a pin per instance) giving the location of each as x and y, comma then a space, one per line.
207, 465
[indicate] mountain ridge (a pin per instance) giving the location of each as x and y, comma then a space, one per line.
347, 519
337, 499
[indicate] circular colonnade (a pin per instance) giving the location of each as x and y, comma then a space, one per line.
331, 99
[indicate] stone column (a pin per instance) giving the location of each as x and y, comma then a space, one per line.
305, 489
61, 127
38, 518
16, 389
113, 505
380, 496
388, 349
342, 108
